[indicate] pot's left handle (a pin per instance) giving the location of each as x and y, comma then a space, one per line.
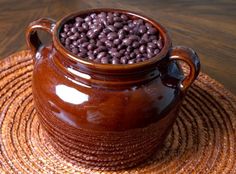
32, 39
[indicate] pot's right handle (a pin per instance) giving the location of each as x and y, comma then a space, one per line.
31, 35
191, 59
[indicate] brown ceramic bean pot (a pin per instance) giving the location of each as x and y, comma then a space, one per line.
102, 115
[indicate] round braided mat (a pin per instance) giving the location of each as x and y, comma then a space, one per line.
203, 138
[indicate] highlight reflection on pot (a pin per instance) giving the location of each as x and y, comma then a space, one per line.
70, 95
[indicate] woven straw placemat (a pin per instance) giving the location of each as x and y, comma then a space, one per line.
203, 138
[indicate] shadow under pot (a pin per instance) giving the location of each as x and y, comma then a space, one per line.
107, 116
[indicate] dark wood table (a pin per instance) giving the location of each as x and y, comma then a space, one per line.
207, 26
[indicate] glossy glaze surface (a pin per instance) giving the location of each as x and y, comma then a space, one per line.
99, 107
107, 115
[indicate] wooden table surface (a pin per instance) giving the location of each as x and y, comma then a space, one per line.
209, 27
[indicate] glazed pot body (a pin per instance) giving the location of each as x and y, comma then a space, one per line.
106, 117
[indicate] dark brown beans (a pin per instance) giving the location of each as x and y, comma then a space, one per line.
80, 29
99, 43
75, 43
124, 17
97, 60
132, 55
69, 33
82, 40
93, 15
110, 21
109, 43
142, 29
111, 28
102, 14
123, 60
101, 35
104, 39
159, 44
85, 26
112, 50
73, 29
72, 46
63, 35
67, 41
127, 41
91, 34
75, 50
121, 46
96, 51
82, 35
92, 41
126, 28
91, 46
79, 19
121, 36
154, 41
132, 61
137, 60
117, 41
88, 18
131, 25
66, 29
148, 25
116, 54
151, 45
151, 30
150, 50
91, 57
133, 37
85, 44
62, 40
97, 29
118, 25
156, 51
106, 31
142, 49
82, 50
81, 55
78, 24
129, 49
73, 37
101, 48
117, 19
101, 54
111, 38
105, 60
152, 37
136, 51
126, 53
150, 55
104, 22
115, 61
139, 56
122, 51
144, 38
135, 44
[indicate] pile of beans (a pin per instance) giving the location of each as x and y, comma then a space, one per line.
111, 38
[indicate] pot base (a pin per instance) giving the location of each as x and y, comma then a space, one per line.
107, 150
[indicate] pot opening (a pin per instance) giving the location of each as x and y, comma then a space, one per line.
85, 62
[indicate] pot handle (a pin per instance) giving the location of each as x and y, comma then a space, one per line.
191, 58
32, 39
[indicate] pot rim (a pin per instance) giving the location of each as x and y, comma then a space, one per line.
110, 67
